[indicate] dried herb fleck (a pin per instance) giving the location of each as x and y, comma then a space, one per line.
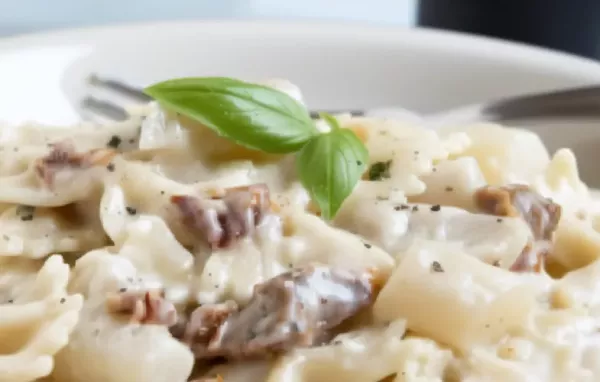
114, 142
436, 208
367, 245
25, 212
379, 170
131, 210
437, 267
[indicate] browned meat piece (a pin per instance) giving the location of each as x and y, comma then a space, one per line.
293, 309
532, 257
63, 156
206, 320
541, 214
243, 209
148, 307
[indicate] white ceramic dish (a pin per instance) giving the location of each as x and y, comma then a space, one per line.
337, 66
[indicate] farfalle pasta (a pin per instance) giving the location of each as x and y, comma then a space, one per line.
157, 250
37, 316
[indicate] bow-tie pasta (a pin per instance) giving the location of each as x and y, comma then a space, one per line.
37, 316
115, 335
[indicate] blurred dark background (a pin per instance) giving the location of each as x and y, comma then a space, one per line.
569, 25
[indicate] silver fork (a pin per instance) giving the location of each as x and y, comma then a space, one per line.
111, 110
580, 102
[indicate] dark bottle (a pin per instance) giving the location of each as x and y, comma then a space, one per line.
569, 25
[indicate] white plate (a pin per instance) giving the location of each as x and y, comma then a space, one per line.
337, 66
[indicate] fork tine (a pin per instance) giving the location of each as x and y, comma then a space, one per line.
116, 112
119, 87
104, 108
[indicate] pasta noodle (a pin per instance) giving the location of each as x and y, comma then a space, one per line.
156, 250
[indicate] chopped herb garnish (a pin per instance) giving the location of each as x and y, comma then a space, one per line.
436, 208
25, 212
436, 267
114, 142
379, 170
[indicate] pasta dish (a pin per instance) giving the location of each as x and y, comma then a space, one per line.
160, 250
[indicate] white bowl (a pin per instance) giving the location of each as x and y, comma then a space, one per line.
336, 66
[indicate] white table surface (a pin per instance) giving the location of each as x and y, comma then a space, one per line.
26, 16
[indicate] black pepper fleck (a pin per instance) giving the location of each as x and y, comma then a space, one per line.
131, 210
359, 163
122, 290
499, 220
132, 141
216, 285
63, 300
5, 237
436, 208
415, 208
437, 267
449, 189
110, 167
434, 169
416, 152
114, 142
397, 208
496, 263
162, 192
367, 245
11, 301
323, 300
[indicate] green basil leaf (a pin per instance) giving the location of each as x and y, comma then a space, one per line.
331, 121
330, 166
255, 116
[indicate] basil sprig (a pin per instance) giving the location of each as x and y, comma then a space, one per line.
265, 119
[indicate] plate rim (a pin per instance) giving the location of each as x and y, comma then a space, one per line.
388, 34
